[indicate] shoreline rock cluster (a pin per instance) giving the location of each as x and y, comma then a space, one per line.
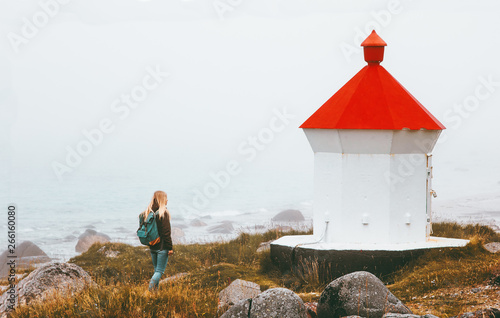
355, 295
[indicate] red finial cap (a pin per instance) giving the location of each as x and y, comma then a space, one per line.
374, 48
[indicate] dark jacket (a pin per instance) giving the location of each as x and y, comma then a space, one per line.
165, 232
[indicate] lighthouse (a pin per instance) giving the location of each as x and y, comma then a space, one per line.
372, 143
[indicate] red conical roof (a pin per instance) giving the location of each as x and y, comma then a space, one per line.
373, 99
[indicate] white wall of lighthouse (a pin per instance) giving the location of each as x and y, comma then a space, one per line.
370, 186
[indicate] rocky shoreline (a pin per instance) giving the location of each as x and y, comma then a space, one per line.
359, 294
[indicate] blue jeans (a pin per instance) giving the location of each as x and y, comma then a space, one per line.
160, 259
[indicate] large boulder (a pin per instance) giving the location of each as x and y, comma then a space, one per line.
278, 302
236, 291
275, 302
88, 238
361, 294
28, 254
65, 278
289, 216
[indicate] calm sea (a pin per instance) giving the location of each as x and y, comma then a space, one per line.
53, 214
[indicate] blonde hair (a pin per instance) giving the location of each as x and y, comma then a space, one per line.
158, 203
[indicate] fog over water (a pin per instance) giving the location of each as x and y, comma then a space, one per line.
104, 102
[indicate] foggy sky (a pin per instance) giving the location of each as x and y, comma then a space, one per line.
229, 72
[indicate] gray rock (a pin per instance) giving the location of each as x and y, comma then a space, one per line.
275, 302
85, 243
493, 247
197, 223
40, 284
89, 237
238, 290
278, 302
28, 254
289, 216
358, 293
484, 313
239, 310
223, 228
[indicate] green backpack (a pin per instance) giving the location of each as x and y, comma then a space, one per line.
148, 230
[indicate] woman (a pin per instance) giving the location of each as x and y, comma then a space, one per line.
160, 251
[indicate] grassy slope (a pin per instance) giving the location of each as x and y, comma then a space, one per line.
431, 280
440, 282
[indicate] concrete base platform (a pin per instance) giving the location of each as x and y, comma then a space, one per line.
327, 261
